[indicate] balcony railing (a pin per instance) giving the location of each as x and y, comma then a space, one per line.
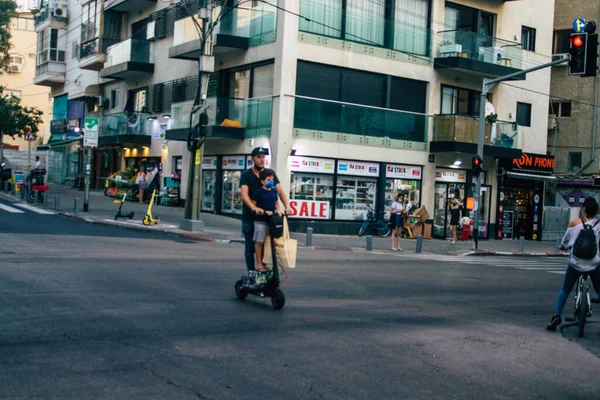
331, 116
465, 129
50, 67
402, 33
487, 49
130, 50
92, 47
258, 24
124, 123
253, 115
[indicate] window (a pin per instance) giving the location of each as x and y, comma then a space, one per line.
158, 92
114, 98
22, 24
561, 43
574, 161
90, 23
560, 108
459, 101
528, 38
16, 60
179, 87
523, 114
48, 44
16, 93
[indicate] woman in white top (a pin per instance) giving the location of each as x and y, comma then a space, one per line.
397, 220
577, 266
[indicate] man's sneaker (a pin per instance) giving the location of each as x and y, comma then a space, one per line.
555, 321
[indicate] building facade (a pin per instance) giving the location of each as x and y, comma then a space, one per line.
355, 99
573, 114
22, 69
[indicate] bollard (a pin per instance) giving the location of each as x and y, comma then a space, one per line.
4, 187
22, 191
56, 203
419, 244
369, 243
75, 205
45, 200
309, 232
36, 197
13, 189
521, 244
557, 243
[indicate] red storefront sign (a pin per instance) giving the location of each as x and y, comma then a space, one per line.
309, 209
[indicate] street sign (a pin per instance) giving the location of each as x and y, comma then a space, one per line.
90, 134
29, 137
579, 25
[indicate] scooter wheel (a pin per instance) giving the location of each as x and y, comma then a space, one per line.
146, 221
239, 290
278, 300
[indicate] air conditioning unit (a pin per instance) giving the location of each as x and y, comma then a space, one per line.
493, 55
60, 12
551, 121
14, 68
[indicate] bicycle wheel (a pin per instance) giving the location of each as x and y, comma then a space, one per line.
363, 228
583, 309
383, 229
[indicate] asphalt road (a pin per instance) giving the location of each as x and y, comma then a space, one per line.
90, 311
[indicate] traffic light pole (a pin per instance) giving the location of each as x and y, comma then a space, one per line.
488, 84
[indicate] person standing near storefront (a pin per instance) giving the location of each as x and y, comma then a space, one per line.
141, 182
455, 216
397, 221
250, 182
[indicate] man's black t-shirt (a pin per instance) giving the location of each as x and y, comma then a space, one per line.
249, 179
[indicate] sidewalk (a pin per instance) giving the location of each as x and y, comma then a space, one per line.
220, 228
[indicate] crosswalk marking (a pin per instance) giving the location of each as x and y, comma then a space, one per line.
10, 209
34, 209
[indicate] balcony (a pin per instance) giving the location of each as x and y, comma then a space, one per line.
50, 73
125, 129
186, 41
488, 56
128, 59
128, 5
460, 133
236, 119
51, 18
243, 28
92, 53
332, 121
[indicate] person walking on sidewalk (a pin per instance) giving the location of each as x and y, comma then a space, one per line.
141, 182
578, 265
397, 221
249, 183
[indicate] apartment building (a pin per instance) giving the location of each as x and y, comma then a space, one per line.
356, 99
573, 114
19, 79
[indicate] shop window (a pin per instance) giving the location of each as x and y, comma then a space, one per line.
312, 187
354, 197
232, 196
528, 38
560, 108
411, 189
574, 161
523, 114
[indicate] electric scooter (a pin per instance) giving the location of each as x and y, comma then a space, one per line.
265, 284
149, 219
119, 213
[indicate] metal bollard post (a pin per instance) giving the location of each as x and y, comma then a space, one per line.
369, 243
75, 205
13, 188
419, 243
56, 203
46, 200
557, 243
309, 232
521, 244
22, 192
4, 187
36, 196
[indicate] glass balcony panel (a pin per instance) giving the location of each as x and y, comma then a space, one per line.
124, 123
506, 135
129, 50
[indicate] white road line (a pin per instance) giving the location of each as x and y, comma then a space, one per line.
34, 209
10, 209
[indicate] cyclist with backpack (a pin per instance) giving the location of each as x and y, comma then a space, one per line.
581, 238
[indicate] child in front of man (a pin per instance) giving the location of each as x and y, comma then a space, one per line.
265, 198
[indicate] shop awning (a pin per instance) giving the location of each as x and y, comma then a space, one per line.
533, 177
58, 143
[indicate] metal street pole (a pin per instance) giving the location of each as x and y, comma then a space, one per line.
29, 155
88, 171
487, 85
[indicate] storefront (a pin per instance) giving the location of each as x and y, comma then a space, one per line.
231, 195
405, 179
520, 202
209, 183
312, 187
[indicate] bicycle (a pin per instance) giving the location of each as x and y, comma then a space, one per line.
383, 229
583, 303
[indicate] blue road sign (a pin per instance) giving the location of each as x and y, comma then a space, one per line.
579, 25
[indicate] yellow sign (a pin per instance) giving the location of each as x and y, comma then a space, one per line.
198, 157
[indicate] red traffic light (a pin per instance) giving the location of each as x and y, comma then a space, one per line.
476, 162
577, 41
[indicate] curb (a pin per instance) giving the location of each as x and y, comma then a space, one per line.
480, 253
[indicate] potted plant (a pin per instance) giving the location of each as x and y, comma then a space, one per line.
492, 118
449, 47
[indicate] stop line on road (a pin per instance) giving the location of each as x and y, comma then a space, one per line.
553, 265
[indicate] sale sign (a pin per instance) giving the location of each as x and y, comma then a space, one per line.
309, 209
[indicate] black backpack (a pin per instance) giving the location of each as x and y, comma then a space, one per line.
586, 246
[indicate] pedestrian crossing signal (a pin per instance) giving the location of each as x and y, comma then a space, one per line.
477, 166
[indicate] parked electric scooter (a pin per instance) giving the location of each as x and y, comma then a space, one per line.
149, 219
119, 213
265, 284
